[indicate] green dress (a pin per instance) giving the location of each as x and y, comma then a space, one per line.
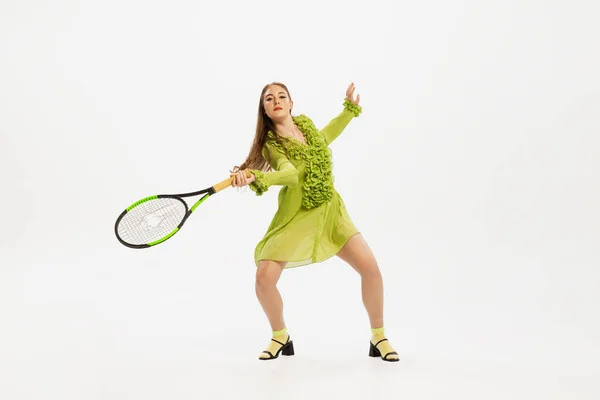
311, 223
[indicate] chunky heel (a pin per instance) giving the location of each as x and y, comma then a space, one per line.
373, 352
288, 349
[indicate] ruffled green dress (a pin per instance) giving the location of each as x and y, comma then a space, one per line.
311, 223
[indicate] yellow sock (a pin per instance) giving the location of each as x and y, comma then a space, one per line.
378, 331
273, 347
280, 333
384, 347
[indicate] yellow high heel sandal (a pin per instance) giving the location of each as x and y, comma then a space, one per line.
374, 352
286, 349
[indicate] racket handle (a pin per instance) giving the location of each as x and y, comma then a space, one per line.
227, 182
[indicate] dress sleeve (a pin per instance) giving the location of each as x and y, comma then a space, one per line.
284, 174
335, 127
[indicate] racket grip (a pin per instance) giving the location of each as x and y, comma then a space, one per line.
227, 182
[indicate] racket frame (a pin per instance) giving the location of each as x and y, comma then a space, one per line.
188, 211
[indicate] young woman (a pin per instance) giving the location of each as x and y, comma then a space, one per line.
311, 223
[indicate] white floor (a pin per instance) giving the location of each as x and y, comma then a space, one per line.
185, 368
115, 332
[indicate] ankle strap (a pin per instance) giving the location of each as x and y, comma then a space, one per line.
277, 341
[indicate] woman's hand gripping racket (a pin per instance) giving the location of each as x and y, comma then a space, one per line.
154, 219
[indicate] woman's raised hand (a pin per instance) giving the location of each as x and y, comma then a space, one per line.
350, 94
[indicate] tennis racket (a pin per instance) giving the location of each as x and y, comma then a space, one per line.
154, 219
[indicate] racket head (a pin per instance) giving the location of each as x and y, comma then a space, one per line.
151, 221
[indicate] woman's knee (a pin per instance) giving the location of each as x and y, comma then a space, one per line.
267, 274
368, 269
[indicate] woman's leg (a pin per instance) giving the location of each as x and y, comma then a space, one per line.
267, 275
357, 253
359, 256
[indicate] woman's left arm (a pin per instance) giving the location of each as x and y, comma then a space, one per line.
351, 109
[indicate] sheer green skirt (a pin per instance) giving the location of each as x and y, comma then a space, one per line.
310, 236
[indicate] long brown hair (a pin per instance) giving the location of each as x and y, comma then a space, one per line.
255, 159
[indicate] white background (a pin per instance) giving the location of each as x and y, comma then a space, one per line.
472, 173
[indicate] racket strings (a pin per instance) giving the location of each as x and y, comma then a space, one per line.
151, 220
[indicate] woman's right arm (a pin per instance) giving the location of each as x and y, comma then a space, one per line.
284, 174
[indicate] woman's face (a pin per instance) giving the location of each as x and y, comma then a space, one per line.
277, 103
